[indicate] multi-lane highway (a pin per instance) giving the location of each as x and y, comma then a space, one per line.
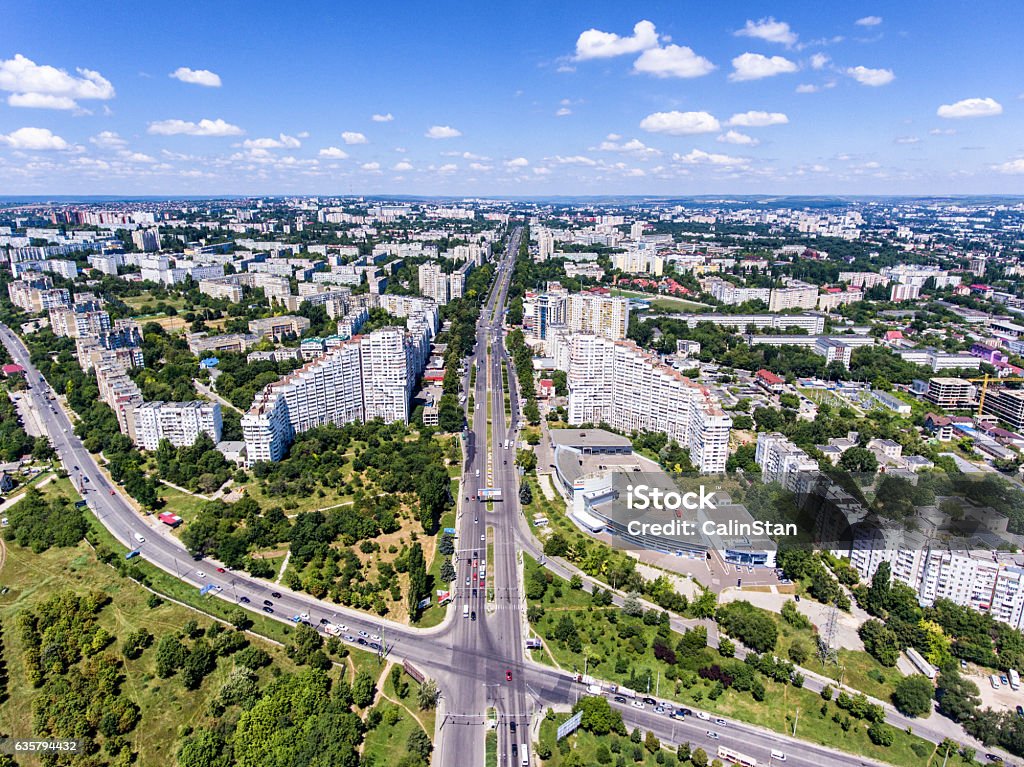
477, 654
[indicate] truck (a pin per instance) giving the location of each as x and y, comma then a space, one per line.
922, 665
1014, 679
594, 689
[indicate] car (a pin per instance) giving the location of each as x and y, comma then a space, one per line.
244, 600
515, 750
659, 709
467, 581
474, 593
963, 663
361, 641
268, 609
637, 704
482, 583
684, 712
341, 627
349, 638
701, 715
374, 646
712, 735
1020, 711
506, 463
76, 468
275, 594
363, 634
374, 636
1003, 679
324, 621
476, 520
112, 491
512, 726
721, 723
267, 602
472, 615
796, 597
619, 699
650, 701
483, 536
200, 574
139, 538
994, 758
508, 675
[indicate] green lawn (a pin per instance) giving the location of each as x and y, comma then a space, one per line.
491, 749
618, 648
435, 614
662, 303
386, 743
166, 705
185, 505
586, 744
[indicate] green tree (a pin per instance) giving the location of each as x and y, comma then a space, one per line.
913, 695
363, 689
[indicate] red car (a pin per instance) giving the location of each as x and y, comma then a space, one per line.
482, 583
508, 675
220, 569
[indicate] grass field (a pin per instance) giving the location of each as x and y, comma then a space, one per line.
166, 705
435, 614
386, 743
586, 745
662, 303
617, 648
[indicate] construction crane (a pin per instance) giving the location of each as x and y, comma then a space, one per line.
985, 382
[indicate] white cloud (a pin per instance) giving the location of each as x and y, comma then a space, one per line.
41, 101
672, 61
700, 157
754, 66
203, 128
402, 166
303, 134
756, 119
819, 60
563, 112
333, 153
872, 77
282, 142
384, 118
353, 137
768, 29
518, 162
807, 88
869, 21
371, 166
976, 107
576, 159
680, 123
33, 139
137, 157
448, 168
23, 76
595, 44
108, 140
907, 140
1014, 167
541, 171
942, 132
202, 77
479, 166
735, 137
442, 131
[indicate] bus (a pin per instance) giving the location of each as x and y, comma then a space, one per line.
736, 758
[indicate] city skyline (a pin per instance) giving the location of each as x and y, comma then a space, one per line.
655, 99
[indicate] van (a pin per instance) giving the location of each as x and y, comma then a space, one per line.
995, 681
778, 755
526, 755
465, 611
139, 538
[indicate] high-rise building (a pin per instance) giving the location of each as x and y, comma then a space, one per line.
180, 423
796, 295
434, 282
146, 239
950, 393
606, 316
1007, 405
618, 383
783, 462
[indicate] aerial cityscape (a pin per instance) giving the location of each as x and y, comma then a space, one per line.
512, 387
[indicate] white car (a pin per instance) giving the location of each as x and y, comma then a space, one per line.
702, 715
638, 704
483, 536
200, 574
139, 538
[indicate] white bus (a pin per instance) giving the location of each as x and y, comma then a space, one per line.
736, 758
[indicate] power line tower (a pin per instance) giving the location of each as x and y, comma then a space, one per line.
828, 652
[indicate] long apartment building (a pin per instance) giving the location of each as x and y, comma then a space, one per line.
812, 323
1007, 405
950, 393
363, 378
618, 383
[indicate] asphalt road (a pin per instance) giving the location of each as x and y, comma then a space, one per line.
470, 659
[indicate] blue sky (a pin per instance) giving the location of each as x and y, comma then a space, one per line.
532, 98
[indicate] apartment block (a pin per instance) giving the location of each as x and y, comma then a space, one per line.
950, 393
618, 383
796, 295
222, 287
783, 462
34, 293
606, 316
180, 423
77, 321
1007, 405
279, 328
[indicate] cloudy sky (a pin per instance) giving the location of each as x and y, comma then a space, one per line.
681, 97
